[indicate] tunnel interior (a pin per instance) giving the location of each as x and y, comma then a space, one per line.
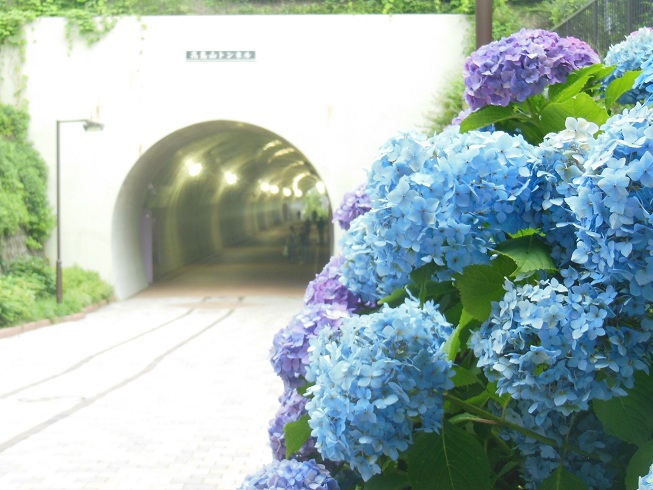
210, 188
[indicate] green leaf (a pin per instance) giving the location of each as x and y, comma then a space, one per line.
391, 481
639, 465
620, 86
479, 286
564, 91
490, 114
554, 115
561, 479
560, 92
452, 345
397, 297
463, 377
629, 417
530, 253
451, 460
297, 433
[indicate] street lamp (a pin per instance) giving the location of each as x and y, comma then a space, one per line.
88, 126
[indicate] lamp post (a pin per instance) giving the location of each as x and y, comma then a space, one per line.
88, 126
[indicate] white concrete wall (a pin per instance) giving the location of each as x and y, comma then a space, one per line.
336, 87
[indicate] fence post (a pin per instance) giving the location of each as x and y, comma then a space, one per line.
595, 12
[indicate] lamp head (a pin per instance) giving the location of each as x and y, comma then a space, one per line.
92, 126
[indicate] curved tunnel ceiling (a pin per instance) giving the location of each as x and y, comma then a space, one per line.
206, 187
223, 149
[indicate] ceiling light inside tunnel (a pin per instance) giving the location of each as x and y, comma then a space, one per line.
274, 189
319, 185
230, 178
265, 187
286, 192
298, 193
194, 169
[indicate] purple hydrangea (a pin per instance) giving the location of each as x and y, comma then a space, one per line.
521, 65
327, 288
293, 406
289, 474
353, 205
289, 354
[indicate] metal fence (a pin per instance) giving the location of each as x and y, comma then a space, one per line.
602, 23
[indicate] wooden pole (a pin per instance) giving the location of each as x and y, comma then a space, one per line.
483, 22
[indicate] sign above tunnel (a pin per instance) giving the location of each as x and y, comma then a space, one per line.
220, 55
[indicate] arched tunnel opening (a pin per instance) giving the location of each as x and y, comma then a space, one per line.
212, 205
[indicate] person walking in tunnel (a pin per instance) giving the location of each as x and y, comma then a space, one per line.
292, 242
304, 241
321, 225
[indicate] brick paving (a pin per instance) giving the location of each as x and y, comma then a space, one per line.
169, 390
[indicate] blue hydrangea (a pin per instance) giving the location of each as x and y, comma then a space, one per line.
290, 474
293, 406
559, 345
629, 55
328, 289
521, 65
646, 481
540, 459
373, 379
563, 165
352, 206
643, 86
445, 200
613, 207
289, 353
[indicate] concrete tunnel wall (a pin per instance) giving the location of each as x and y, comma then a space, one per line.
335, 88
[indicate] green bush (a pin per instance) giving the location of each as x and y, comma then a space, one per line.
28, 291
561, 9
36, 272
23, 181
16, 300
85, 286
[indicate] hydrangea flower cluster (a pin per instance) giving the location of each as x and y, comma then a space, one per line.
354, 204
292, 407
521, 65
632, 53
373, 378
613, 207
290, 474
559, 346
327, 288
540, 459
289, 355
563, 165
443, 200
643, 85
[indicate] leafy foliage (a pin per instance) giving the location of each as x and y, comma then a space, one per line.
23, 181
27, 292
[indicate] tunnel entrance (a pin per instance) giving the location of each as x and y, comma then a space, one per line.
212, 205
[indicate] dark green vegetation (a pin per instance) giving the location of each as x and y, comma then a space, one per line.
23, 180
91, 18
27, 291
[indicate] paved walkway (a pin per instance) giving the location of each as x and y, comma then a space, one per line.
171, 389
